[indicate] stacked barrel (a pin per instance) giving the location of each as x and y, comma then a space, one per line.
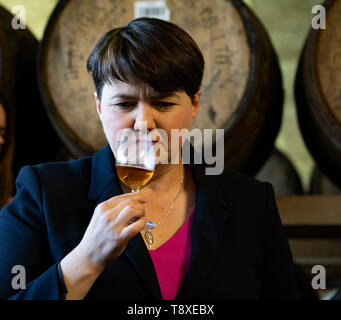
318, 97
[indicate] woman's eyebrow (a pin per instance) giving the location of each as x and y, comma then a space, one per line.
162, 95
124, 96
153, 96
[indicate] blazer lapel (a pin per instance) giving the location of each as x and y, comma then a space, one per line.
210, 218
104, 185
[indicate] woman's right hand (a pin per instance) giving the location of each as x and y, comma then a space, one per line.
112, 225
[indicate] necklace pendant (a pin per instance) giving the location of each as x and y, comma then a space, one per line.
149, 238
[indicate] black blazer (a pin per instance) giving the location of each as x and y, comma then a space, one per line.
239, 247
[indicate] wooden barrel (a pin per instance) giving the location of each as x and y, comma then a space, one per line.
318, 93
242, 85
35, 139
282, 174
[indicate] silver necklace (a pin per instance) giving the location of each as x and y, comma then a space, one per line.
148, 235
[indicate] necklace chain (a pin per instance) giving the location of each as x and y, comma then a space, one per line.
148, 235
172, 204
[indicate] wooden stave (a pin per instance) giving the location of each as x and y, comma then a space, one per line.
66, 134
262, 141
319, 128
251, 157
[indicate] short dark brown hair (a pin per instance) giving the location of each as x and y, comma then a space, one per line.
150, 50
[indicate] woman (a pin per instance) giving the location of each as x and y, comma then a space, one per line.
79, 233
6, 155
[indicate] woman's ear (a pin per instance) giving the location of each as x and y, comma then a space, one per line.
98, 104
196, 104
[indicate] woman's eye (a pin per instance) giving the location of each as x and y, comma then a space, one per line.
125, 105
164, 105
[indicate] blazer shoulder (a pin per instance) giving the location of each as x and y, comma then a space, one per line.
236, 179
57, 182
54, 177
80, 168
237, 185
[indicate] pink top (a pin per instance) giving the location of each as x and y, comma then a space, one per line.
171, 260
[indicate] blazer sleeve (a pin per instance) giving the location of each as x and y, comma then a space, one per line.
24, 243
279, 273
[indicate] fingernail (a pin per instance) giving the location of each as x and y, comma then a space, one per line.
150, 224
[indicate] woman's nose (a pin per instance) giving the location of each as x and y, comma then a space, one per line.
144, 119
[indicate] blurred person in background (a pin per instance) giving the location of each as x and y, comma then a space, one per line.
6, 154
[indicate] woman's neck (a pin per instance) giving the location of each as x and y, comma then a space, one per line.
166, 177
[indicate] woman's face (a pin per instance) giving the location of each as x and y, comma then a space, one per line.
2, 126
124, 105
